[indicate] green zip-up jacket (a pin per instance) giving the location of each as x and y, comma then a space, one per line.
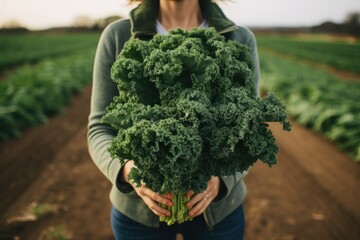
142, 25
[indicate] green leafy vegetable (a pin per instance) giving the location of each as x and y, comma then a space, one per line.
187, 110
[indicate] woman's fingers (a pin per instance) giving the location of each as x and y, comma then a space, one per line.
155, 207
152, 200
199, 202
157, 197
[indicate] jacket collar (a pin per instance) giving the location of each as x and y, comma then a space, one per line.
143, 18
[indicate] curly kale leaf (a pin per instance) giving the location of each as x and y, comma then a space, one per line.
164, 151
187, 110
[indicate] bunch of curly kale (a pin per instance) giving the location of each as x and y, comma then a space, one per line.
187, 110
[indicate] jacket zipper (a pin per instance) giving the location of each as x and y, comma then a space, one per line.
207, 221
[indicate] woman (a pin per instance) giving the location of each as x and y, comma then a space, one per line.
217, 212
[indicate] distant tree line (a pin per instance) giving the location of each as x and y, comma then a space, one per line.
79, 24
13, 26
351, 26
84, 22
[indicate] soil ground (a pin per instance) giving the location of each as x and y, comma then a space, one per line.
311, 194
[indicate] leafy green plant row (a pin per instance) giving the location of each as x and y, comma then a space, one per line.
340, 55
316, 99
18, 49
32, 93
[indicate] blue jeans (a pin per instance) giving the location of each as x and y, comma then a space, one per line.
230, 228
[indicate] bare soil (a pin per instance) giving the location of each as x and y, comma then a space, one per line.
312, 193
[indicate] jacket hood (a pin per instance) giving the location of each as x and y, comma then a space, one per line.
143, 17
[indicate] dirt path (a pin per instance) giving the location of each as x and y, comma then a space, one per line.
311, 194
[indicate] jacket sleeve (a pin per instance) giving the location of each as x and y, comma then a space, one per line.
246, 37
100, 135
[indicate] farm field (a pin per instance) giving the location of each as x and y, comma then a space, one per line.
315, 97
340, 53
53, 79
17, 49
51, 189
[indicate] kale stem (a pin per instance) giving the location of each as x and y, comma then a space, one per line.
179, 210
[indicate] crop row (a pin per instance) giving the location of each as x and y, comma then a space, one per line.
316, 99
341, 55
32, 93
18, 49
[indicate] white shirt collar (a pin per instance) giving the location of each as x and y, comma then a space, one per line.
161, 29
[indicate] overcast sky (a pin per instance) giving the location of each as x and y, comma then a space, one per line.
40, 14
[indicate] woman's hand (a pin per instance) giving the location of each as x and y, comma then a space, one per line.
150, 198
200, 201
